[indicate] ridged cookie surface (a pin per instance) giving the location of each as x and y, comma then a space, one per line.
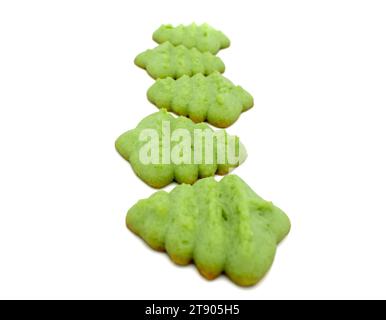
220, 226
167, 60
186, 167
203, 37
214, 98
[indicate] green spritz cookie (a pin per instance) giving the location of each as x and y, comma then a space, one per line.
220, 226
213, 98
163, 149
167, 60
204, 37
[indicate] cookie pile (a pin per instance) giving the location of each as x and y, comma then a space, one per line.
223, 227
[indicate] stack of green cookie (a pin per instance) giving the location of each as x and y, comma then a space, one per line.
223, 227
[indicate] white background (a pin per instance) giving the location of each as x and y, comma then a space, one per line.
316, 142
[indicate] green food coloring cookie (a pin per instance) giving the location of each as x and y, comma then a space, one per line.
223, 227
163, 149
167, 60
214, 98
204, 37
